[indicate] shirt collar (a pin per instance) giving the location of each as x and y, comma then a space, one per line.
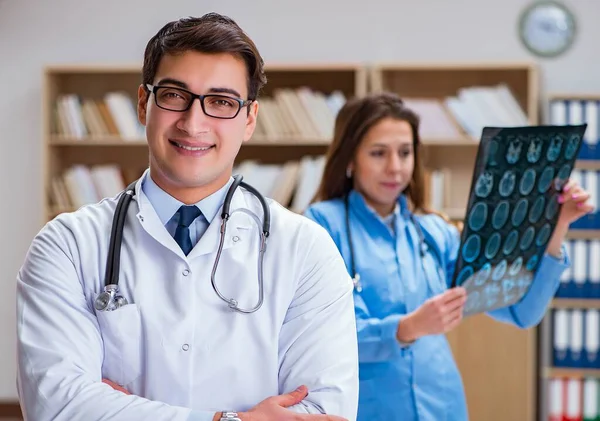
357, 201
166, 205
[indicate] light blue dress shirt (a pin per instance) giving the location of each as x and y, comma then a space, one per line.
176, 346
418, 381
166, 207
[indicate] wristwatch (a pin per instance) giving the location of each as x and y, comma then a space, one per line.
229, 416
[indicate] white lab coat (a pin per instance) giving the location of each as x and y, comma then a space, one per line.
177, 347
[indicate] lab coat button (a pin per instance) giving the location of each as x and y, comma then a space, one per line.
185, 347
236, 239
186, 272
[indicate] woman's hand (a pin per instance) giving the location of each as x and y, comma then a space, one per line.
574, 200
439, 314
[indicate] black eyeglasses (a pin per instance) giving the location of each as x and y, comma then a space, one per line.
180, 100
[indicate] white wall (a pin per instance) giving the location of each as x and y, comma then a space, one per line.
37, 32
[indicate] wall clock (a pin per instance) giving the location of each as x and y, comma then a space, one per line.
547, 28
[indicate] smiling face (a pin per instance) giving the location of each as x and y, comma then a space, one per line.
192, 154
384, 163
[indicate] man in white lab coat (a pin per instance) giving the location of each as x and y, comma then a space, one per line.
175, 350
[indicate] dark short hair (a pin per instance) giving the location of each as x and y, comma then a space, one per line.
353, 121
212, 34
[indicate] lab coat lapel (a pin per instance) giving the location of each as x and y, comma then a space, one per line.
238, 227
151, 222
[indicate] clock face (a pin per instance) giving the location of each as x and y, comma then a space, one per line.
547, 28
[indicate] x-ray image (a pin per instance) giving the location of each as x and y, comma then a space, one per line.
512, 210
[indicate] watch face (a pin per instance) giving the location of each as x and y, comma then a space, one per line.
547, 28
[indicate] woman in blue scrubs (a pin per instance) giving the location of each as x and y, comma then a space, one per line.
403, 302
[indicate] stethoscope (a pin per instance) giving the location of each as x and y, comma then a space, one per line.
423, 246
110, 299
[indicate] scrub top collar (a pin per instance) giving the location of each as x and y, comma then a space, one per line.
358, 204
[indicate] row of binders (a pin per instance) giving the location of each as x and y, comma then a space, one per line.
582, 278
573, 399
576, 338
589, 180
576, 112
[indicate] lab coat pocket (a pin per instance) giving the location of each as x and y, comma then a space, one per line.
121, 334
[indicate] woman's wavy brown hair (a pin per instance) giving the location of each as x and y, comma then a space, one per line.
352, 123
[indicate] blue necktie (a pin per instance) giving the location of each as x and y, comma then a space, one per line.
187, 215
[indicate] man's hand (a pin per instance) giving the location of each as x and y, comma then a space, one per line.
274, 409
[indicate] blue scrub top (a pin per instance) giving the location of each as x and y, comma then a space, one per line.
419, 381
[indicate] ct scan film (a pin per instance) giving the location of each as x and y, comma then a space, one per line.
512, 210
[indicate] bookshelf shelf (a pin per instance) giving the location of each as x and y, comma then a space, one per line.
581, 303
578, 373
583, 234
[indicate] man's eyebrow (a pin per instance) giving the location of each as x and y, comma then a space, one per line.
171, 81
215, 90
225, 91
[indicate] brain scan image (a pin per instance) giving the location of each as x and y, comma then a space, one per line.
527, 238
562, 177
500, 215
493, 151
511, 242
546, 179
512, 210
499, 270
534, 151
520, 212
572, 146
543, 235
527, 182
478, 216
507, 183
537, 209
554, 148
472, 248
466, 274
493, 245
484, 185
514, 151
516, 265
483, 274
532, 262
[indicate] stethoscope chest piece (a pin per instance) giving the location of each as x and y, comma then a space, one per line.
109, 299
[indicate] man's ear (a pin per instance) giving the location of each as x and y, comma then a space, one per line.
251, 120
142, 104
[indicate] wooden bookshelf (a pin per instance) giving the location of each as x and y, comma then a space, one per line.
589, 160
62, 151
495, 390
